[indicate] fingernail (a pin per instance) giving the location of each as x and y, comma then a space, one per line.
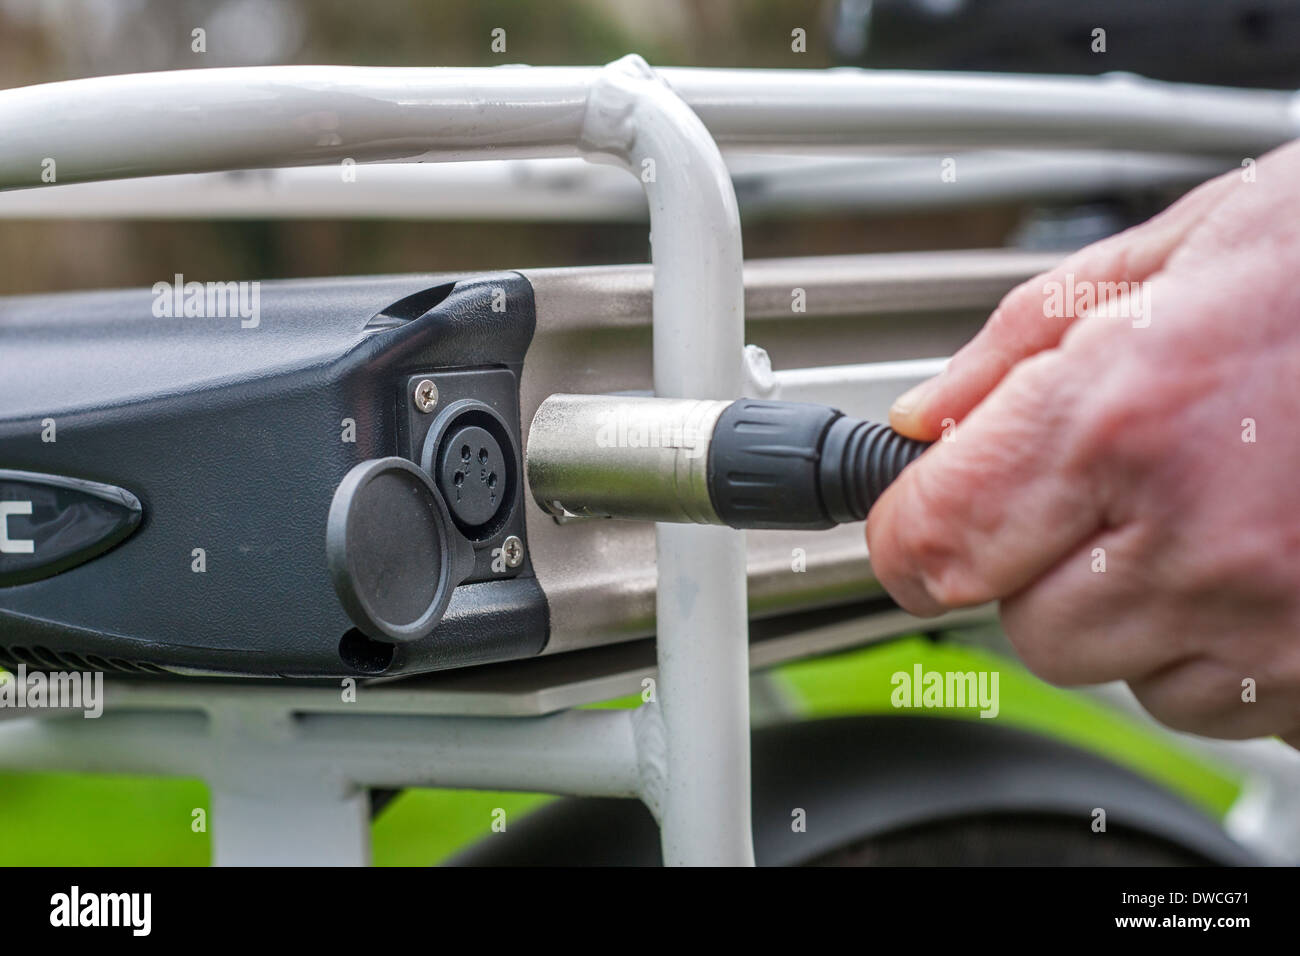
910, 401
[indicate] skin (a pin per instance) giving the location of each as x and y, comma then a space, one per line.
1080, 433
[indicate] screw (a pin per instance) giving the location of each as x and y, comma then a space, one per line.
426, 395
513, 551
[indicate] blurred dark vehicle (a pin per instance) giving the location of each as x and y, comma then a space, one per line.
1223, 42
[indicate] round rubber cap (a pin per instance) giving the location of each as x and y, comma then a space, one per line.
392, 550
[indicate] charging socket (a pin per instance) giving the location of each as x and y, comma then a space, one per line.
469, 445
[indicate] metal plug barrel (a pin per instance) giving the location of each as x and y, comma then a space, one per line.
619, 456
750, 463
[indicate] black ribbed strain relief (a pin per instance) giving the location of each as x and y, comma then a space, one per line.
763, 463
859, 461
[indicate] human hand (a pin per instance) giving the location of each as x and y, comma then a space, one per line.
1128, 484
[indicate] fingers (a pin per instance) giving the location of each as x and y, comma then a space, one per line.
1035, 315
1091, 619
1104, 613
980, 516
1204, 696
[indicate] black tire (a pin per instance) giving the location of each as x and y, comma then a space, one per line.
1011, 840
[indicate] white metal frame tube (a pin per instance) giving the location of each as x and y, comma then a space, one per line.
702, 622
289, 788
570, 190
585, 752
815, 111
190, 121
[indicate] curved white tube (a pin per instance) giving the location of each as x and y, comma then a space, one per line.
702, 621
261, 117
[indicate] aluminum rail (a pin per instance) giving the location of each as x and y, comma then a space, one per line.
593, 337
571, 190
190, 121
